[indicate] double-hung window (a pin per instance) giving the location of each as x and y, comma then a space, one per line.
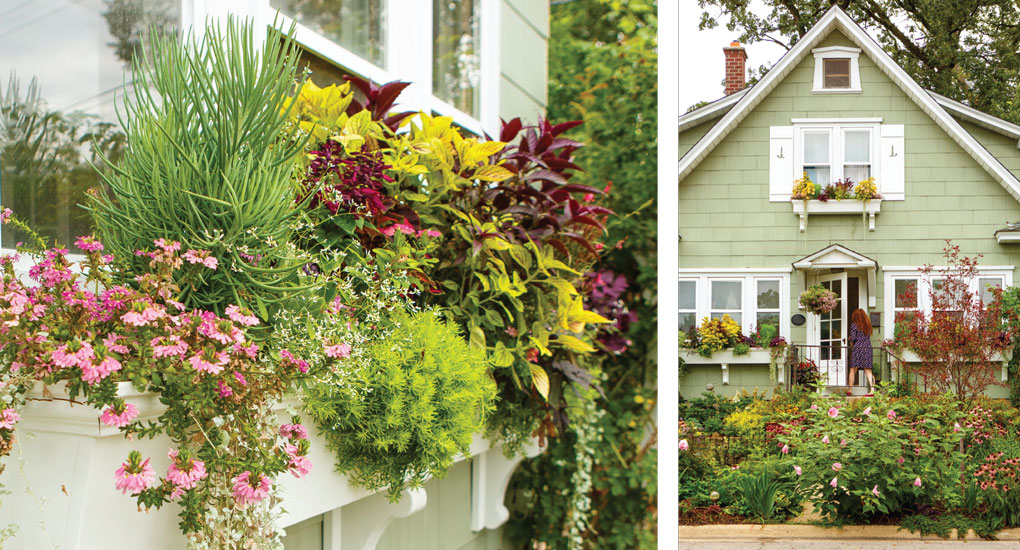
834, 150
751, 298
909, 292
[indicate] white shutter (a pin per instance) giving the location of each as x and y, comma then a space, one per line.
780, 163
890, 158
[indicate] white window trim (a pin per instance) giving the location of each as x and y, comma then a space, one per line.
749, 302
837, 52
892, 273
408, 54
836, 128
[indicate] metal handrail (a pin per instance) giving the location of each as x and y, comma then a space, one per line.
800, 353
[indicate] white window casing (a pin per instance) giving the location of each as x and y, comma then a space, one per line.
891, 178
986, 274
749, 280
837, 52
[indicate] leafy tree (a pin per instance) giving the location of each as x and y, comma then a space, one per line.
594, 487
965, 50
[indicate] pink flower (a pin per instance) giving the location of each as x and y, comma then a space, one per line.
891, 414
842, 443
8, 418
867, 411
785, 449
299, 464
201, 257
167, 247
116, 419
825, 439
874, 490
956, 427
240, 378
298, 431
94, 373
246, 493
250, 350
167, 346
836, 466
242, 316
339, 351
134, 476
223, 389
88, 243
900, 460
684, 446
917, 482
111, 344
141, 314
814, 407
833, 412
5, 216
201, 364
833, 483
797, 470
186, 472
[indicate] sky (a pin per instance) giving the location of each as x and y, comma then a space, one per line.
701, 54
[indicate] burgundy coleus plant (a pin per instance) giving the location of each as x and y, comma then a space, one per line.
378, 100
346, 182
607, 289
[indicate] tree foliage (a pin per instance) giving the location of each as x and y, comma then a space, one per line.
965, 50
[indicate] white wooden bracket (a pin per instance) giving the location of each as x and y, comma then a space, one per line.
490, 476
363, 524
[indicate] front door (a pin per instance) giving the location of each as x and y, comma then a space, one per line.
832, 332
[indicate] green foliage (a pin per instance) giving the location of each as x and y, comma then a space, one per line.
942, 526
208, 164
909, 459
758, 494
964, 50
423, 394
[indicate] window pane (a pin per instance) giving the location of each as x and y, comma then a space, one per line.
768, 294
735, 316
818, 175
985, 286
768, 319
687, 320
726, 295
857, 173
687, 294
63, 65
902, 286
836, 73
456, 66
857, 146
357, 25
816, 147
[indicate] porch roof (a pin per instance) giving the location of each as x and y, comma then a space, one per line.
837, 256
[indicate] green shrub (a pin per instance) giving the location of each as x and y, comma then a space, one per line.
207, 163
942, 526
907, 460
425, 394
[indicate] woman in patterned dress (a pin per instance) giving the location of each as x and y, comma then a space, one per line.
860, 346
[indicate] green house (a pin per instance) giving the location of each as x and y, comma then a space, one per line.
835, 107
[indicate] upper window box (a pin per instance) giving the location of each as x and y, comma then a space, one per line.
837, 70
834, 208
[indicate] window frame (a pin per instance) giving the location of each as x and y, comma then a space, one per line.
694, 310
749, 303
924, 283
837, 52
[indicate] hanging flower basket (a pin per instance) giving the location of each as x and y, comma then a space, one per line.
818, 299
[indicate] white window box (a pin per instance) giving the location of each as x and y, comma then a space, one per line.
910, 357
836, 208
725, 358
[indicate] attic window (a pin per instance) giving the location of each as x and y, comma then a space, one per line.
837, 70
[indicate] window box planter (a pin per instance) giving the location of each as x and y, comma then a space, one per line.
836, 208
725, 358
910, 357
61, 491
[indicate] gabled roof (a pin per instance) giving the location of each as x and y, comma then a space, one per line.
835, 19
835, 255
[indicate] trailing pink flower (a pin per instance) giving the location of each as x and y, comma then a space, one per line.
298, 431
8, 418
203, 257
223, 389
290, 360
339, 351
240, 378
5, 216
245, 492
88, 243
111, 417
185, 472
250, 351
900, 460
299, 464
111, 344
168, 346
165, 246
134, 476
213, 365
94, 373
142, 314
242, 316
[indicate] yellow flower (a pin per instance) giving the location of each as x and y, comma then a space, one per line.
866, 189
803, 188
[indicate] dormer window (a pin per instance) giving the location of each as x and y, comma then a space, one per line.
837, 70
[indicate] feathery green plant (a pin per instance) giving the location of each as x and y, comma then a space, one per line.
208, 163
428, 394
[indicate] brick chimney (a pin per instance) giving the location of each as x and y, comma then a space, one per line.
735, 72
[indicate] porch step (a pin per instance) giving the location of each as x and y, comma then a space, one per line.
855, 391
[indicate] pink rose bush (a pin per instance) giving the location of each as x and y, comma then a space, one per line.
95, 327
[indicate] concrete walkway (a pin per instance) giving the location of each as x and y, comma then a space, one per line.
811, 537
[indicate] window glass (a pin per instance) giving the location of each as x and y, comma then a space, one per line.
857, 155
836, 73
904, 301
359, 26
62, 67
456, 65
986, 286
687, 294
768, 294
726, 295
816, 157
